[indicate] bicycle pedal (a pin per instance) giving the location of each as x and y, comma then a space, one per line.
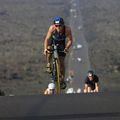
63, 85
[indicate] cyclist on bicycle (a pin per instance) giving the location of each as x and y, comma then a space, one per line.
62, 36
50, 90
91, 83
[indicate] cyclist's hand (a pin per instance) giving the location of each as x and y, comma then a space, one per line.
66, 50
45, 51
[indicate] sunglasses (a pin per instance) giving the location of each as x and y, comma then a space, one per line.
58, 25
90, 76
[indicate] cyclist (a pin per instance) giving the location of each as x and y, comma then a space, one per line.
50, 90
91, 82
62, 35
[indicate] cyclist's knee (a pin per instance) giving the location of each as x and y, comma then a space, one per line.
49, 49
89, 89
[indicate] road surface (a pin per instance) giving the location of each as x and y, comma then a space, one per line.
79, 60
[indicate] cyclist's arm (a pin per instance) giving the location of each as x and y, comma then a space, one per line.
86, 88
96, 87
96, 84
46, 92
47, 38
69, 38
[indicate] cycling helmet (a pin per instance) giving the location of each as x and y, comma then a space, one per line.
90, 73
58, 20
51, 86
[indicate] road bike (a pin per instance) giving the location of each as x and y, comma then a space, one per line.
56, 67
56, 74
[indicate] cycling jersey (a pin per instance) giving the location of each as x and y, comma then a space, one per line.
60, 39
91, 83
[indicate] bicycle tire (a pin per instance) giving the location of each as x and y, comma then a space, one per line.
56, 75
58, 89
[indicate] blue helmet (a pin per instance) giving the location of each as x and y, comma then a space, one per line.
58, 20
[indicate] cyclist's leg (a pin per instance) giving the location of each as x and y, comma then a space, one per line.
62, 67
62, 55
58, 77
89, 89
48, 58
85, 88
62, 72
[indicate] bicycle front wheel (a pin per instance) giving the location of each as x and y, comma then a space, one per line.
57, 76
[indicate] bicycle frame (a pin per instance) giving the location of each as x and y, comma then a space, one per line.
56, 67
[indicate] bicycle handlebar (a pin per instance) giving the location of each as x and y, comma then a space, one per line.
55, 48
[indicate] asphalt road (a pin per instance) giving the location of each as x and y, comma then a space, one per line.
79, 60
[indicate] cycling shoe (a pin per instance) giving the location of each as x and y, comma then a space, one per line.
63, 85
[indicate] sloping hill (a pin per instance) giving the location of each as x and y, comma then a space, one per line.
23, 26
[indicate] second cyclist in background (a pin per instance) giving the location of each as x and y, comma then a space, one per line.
91, 83
62, 35
50, 89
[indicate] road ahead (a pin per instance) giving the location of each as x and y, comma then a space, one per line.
79, 61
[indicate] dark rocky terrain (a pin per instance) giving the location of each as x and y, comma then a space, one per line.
23, 26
